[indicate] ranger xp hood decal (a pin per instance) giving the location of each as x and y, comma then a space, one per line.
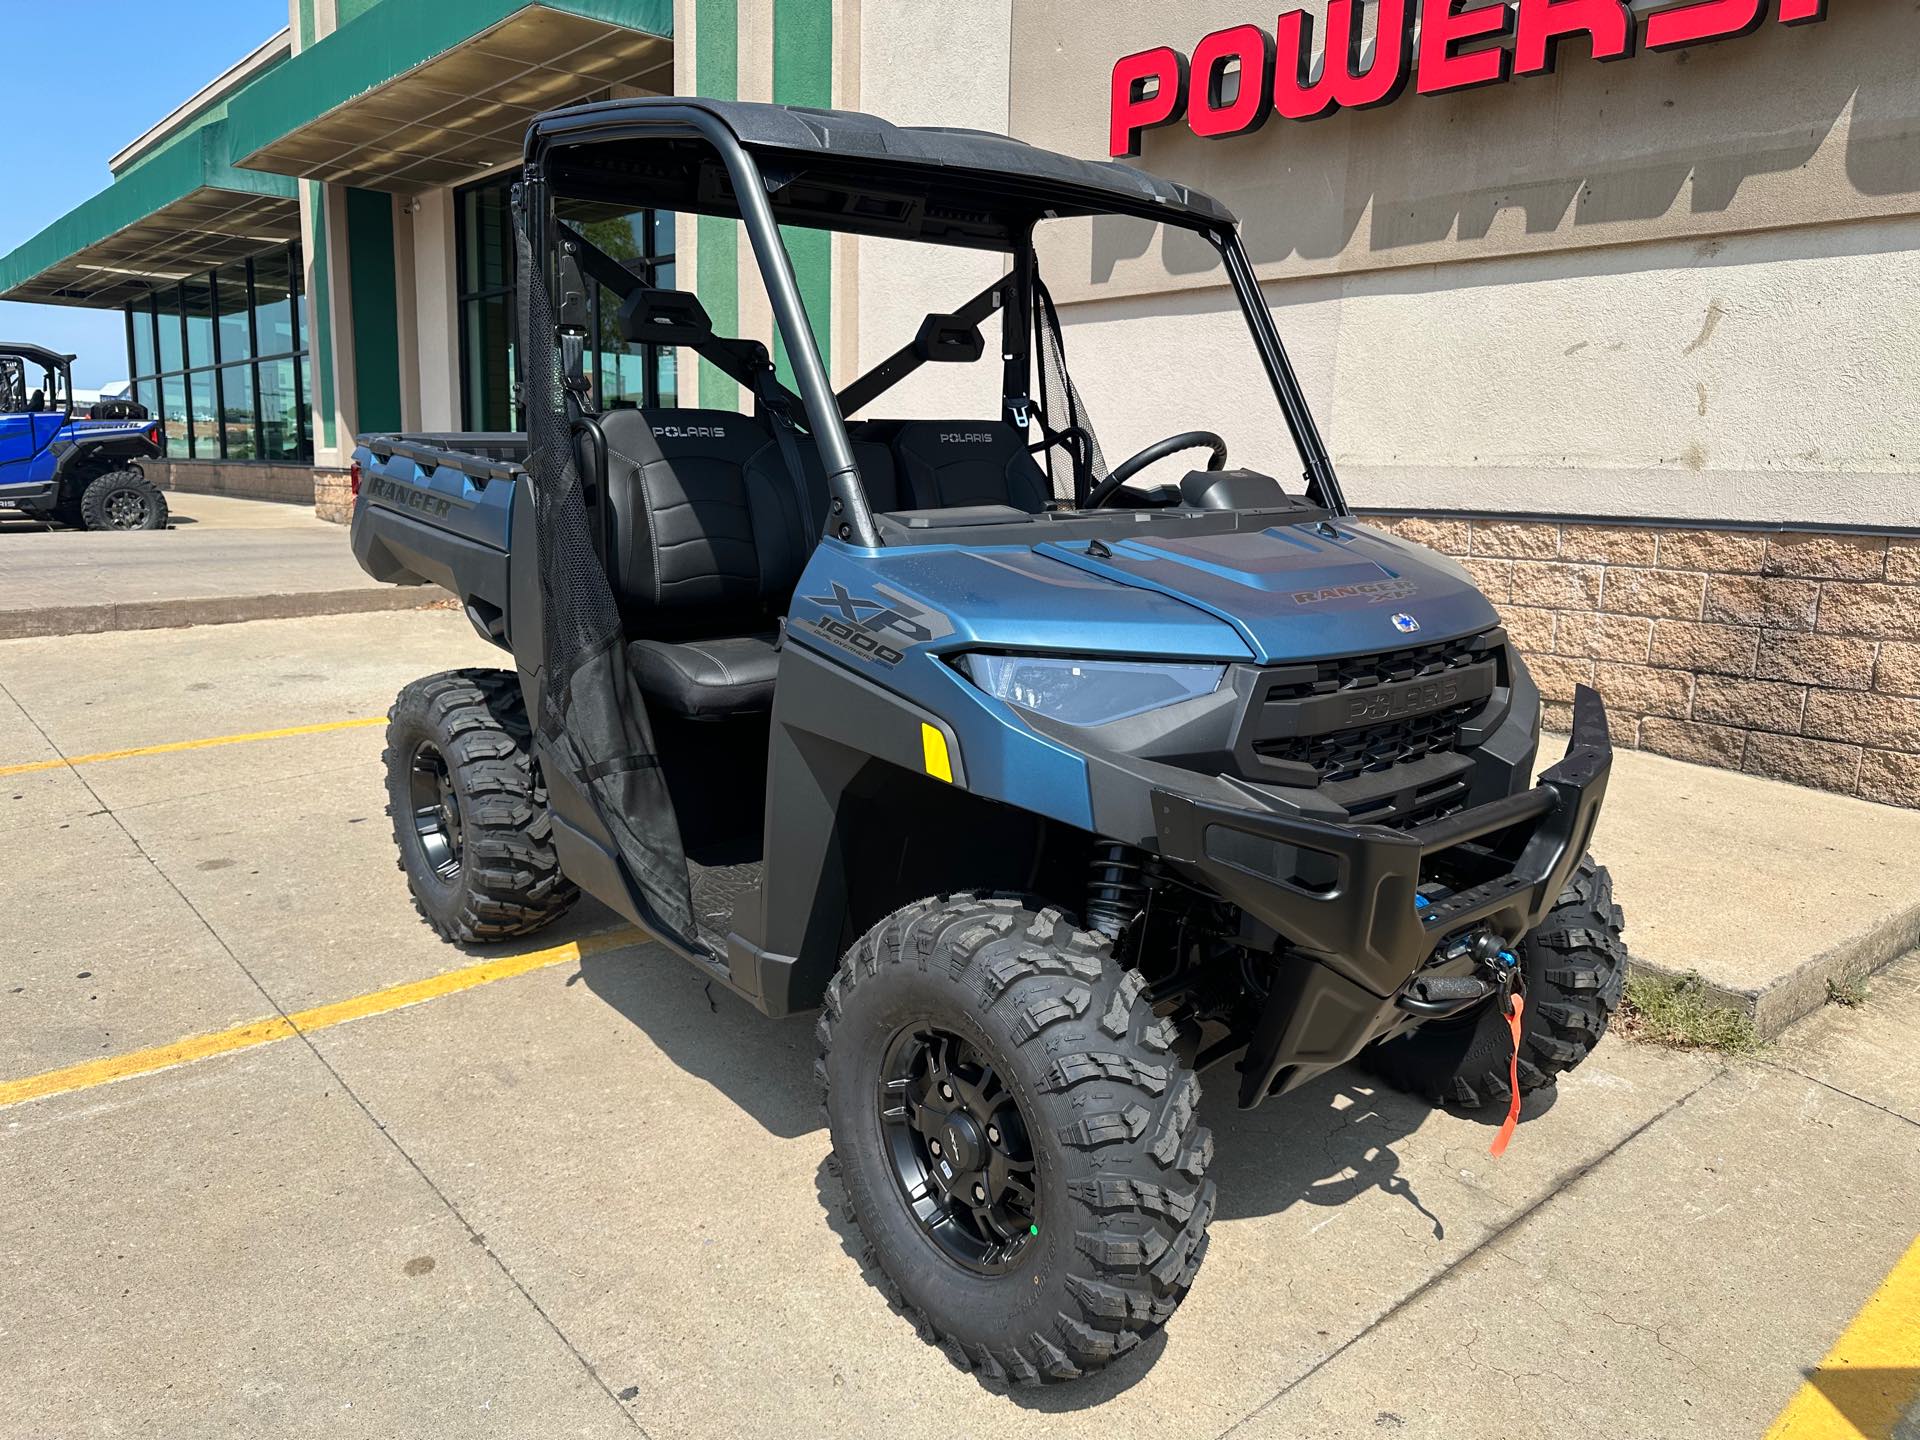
1297, 589
1374, 593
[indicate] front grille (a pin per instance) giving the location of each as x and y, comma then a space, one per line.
1293, 727
1360, 672
1348, 753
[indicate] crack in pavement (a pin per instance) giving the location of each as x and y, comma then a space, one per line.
347, 1089
1560, 1184
1839, 1090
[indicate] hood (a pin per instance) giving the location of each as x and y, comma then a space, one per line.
1307, 590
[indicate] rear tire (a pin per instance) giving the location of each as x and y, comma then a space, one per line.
1574, 965
1102, 1118
122, 500
469, 808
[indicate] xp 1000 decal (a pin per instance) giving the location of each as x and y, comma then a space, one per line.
874, 627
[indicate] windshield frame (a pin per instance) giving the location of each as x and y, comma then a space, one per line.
741, 184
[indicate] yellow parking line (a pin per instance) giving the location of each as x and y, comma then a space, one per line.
175, 745
1872, 1375
260, 1032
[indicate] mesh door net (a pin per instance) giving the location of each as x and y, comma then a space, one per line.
1072, 447
593, 719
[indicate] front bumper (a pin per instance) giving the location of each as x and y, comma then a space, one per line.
1344, 896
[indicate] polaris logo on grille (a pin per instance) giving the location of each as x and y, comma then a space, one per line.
691, 432
1407, 700
1405, 623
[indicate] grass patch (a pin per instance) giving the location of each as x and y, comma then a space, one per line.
1681, 1014
1849, 994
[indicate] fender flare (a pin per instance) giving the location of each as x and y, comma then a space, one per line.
129, 445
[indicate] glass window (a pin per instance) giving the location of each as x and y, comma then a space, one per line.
486, 257
236, 412
230, 294
621, 374
272, 304
239, 411
197, 300
488, 327
173, 413
279, 411
305, 373
206, 424
140, 314
623, 380
167, 308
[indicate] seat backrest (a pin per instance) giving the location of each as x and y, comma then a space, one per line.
707, 529
704, 533
878, 478
944, 463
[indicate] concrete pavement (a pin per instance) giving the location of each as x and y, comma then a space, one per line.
1769, 893
221, 560
593, 1199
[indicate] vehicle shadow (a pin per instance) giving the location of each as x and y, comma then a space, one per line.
763, 1066
1330, 1141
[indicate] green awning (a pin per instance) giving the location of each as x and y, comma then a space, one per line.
407, 96
182, 211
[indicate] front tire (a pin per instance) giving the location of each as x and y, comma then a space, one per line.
469, 808
1574, 966
122, 500
1082, 1096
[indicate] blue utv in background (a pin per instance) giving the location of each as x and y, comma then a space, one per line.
1051, 785
79, 470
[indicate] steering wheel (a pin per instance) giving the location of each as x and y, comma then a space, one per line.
1159, 450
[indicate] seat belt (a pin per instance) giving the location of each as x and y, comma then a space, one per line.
772, 396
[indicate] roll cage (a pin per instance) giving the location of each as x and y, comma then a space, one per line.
769, 165
16, 392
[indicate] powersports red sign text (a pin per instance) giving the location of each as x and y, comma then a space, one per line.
1440, 45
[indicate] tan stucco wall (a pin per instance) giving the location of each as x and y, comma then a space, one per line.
926, 64
1683, 284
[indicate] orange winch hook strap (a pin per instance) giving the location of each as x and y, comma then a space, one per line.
1513, 1079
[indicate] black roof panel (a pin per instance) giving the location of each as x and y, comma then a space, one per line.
849, 143
39, 354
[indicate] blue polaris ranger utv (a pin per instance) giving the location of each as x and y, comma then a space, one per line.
78, 470
1052, 785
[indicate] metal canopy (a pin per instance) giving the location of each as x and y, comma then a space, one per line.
463, 82
182, 212
197, 233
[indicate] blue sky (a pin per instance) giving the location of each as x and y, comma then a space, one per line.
141, 60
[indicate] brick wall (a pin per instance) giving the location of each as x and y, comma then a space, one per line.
246, 479
333, 495
1794, 655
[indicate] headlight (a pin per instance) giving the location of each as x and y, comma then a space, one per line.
1088, 692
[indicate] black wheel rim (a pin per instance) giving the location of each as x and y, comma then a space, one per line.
435, 807
125, 509
960, 1149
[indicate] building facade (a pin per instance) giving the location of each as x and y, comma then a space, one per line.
1616, 300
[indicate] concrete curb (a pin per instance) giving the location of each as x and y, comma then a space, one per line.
212, 610
1802, 990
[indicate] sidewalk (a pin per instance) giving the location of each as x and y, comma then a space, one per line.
1769, 892
221, 560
